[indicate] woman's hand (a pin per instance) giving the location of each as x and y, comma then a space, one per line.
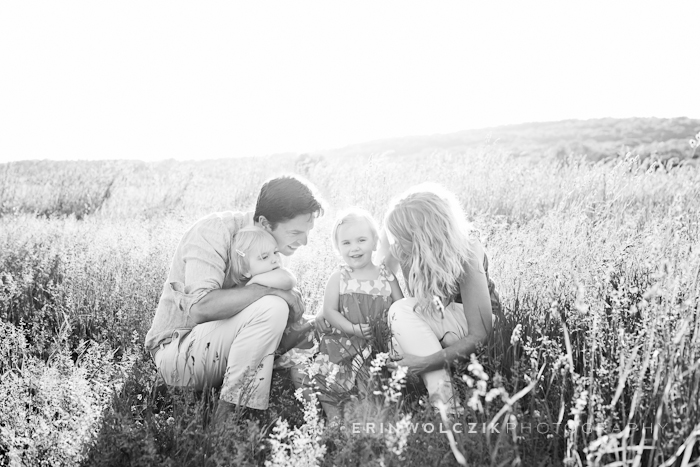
414, 363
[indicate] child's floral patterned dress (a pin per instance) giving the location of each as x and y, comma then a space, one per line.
361, 301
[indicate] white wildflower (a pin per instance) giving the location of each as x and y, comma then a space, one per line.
300, 446
515, 336
397, 437
378, 363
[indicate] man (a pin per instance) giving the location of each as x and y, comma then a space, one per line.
208, 333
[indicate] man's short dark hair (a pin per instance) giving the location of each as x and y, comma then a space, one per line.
285, 198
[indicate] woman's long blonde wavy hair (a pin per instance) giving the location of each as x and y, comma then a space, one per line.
431, 240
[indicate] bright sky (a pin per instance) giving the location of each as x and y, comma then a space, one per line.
190, 80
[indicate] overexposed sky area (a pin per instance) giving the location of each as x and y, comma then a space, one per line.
191, 80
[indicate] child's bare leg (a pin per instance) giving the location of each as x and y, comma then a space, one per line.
300, 380
332, 411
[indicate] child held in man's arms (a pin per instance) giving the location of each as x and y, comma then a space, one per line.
256, 260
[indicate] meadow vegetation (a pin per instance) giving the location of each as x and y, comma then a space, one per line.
596, 360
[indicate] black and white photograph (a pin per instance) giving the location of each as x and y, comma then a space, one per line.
370, 233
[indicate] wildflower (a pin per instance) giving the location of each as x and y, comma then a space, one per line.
469, 380
493, 393
330, 379
477, 370
515, 336
693, 143
581, 401
474, 402
378, 363
301, 445
397, 439
396, 384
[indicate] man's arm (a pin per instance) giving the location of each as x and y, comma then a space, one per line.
225, 303
204, 252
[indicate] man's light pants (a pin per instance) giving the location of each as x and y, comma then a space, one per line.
235, 353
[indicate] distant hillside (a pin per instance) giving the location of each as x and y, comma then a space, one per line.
597, 139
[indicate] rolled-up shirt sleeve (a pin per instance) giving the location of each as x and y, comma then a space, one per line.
204, 252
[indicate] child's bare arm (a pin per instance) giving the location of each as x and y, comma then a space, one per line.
334, 317
396, 293
279, 278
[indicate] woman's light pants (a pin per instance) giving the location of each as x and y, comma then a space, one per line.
235, 353
423, 333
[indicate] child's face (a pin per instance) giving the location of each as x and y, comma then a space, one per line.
356, 243
263, 261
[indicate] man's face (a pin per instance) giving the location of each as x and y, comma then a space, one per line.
293, 233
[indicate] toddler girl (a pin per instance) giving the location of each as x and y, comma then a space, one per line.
356, 302
255, 259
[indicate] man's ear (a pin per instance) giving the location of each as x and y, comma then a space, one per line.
264, 223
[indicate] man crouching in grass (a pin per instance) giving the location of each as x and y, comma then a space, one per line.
210, 332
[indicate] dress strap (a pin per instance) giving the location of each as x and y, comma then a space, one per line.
384, 272
344, 277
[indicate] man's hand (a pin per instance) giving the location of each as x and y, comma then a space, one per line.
295, 302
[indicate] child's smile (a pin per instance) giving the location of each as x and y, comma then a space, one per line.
356, 243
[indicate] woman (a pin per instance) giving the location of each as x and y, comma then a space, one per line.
450, 312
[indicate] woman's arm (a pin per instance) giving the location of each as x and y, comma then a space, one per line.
384, 253
279, 278
333, 316
477, 310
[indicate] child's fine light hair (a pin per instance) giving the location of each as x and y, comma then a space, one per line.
248, 241
353, 214
432, 236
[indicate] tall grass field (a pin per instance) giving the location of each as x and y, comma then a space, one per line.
595, 361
